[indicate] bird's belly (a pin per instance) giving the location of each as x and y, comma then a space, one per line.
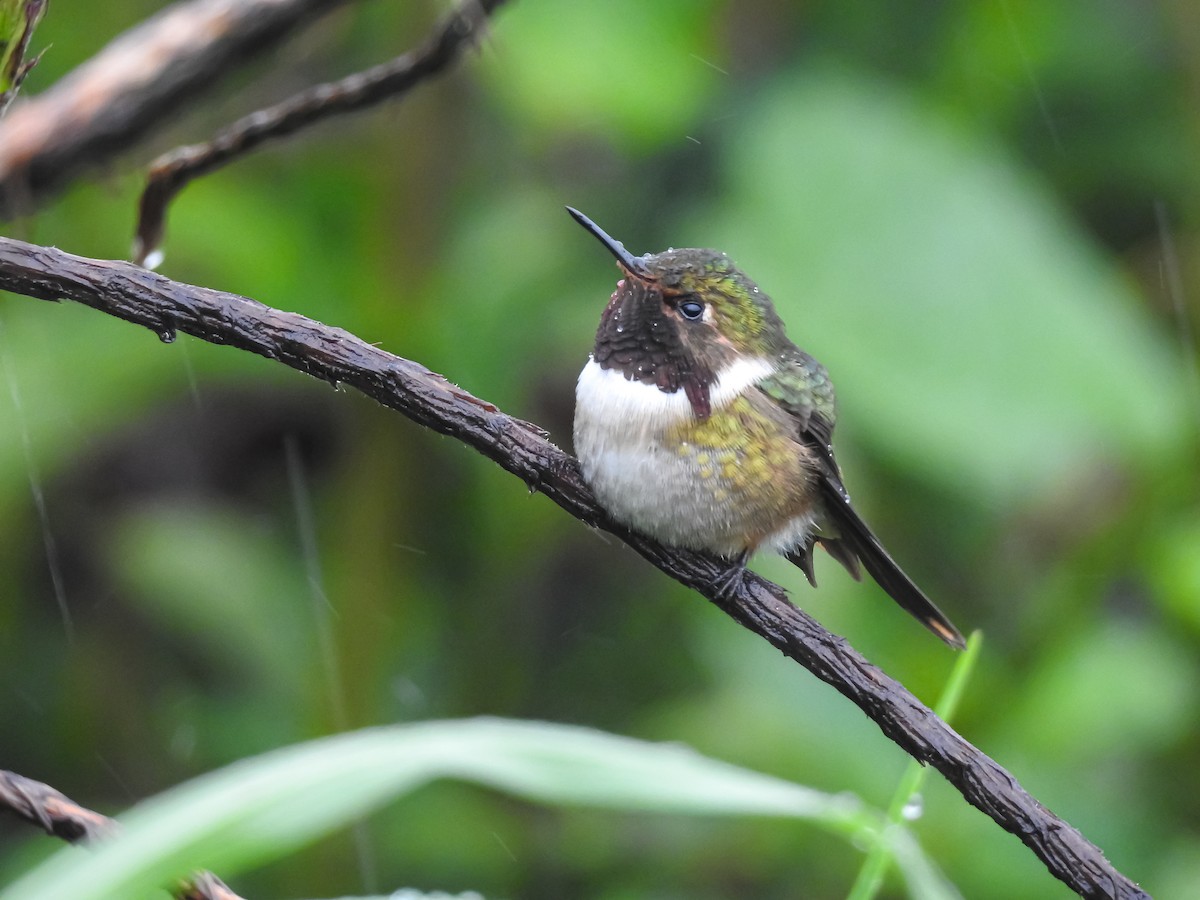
731, 483
650, 489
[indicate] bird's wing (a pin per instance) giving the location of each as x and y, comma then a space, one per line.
803, 389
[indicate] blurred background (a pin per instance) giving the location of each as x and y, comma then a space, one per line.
981, 216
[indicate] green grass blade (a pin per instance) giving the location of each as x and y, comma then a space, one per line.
929, 884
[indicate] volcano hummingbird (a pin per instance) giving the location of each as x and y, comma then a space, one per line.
698, 423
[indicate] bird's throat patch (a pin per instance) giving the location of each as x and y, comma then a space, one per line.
639, 339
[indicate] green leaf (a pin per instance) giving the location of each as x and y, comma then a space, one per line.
554, 82
261, 808
1144, 702
217, 581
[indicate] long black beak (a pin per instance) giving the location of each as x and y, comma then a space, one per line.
628, 261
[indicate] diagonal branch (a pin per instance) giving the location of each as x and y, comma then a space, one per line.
174, 170
142, 297
59, 815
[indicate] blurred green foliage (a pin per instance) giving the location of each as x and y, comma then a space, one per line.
969, 211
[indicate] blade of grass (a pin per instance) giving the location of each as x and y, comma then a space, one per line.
904, 802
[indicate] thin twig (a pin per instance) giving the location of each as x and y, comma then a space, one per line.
132, 87
172, 171
336, 356
60, 816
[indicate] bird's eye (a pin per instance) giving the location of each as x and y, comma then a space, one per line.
691, 309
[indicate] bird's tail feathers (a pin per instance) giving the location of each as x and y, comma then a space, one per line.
855, 543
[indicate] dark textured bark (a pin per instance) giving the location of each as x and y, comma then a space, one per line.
335, 356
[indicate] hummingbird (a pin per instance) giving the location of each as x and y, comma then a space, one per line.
699, 423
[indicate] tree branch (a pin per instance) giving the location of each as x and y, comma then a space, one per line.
52, 811
129, 88
60, 816
136, 295
174, 170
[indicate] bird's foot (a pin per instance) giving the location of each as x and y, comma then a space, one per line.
729, 583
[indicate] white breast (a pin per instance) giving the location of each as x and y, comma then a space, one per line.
619, 425
607, 396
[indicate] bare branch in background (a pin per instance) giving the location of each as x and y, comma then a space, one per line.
53, 812
336, 356
132, 87
172, 171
